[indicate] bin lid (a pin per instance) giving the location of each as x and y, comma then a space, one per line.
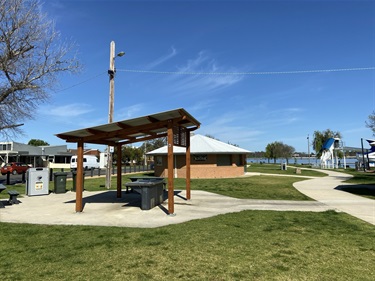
60, 174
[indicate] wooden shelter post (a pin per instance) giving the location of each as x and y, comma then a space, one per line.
170, 168
119, 177
79, 177
188, 193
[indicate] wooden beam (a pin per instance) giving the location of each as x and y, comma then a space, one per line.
146, 138
123, 126
120, 133
170, 169
126, 133
79, 177
105, 137
119, 177
152, 119
95, 132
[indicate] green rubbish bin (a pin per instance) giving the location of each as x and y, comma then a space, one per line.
74, 174
60, 182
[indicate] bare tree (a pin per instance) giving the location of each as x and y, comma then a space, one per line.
371, 122
32, 55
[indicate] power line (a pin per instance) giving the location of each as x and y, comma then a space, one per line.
82, 82
223, 73
247, 73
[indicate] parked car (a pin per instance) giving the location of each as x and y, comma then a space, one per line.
14, 168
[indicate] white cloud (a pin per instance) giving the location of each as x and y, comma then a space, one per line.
162, 59
198, 76
69, 110
130, 112
203, 105
229, 127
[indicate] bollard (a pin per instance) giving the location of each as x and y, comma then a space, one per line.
92, 171
8, 178
51, 174
23, 177
99, 172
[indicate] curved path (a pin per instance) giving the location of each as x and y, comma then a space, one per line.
324, 190
103, 208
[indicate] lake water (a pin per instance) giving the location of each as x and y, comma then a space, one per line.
302, 161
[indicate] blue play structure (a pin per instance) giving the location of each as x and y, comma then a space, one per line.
329, 158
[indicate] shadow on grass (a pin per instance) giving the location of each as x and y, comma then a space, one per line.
367, 190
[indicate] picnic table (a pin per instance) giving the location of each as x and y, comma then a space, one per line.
151, 191
145, 178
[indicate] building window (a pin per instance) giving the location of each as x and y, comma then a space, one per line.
7, 146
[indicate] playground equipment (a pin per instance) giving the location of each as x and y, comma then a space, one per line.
367, 159
329, 157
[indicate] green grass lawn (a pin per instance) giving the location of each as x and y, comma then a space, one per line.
249, 245
363, 183
275, 169
254, 187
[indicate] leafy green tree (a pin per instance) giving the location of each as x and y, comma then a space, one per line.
269, 153
287, 152
211, 137
321, 137
130, 154
37, 142
277, 150
153, 144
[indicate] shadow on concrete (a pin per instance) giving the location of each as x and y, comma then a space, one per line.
110, 196
129, 199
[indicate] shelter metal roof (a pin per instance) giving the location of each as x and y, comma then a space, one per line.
203, 144
133, 130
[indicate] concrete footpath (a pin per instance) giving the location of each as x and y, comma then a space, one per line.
327, 191
104, 209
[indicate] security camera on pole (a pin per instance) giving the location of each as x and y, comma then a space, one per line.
111, 73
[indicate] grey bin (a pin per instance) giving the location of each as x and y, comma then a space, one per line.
37, 181
152, 193
74, 174
60, 182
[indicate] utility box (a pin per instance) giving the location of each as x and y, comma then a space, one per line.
283, 166
37, 181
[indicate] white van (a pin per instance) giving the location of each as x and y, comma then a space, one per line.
89, 161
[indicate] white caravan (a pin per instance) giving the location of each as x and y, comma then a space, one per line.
89, 161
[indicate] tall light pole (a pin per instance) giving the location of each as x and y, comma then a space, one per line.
111, 73
308, 146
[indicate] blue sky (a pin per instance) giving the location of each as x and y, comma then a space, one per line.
244, 69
